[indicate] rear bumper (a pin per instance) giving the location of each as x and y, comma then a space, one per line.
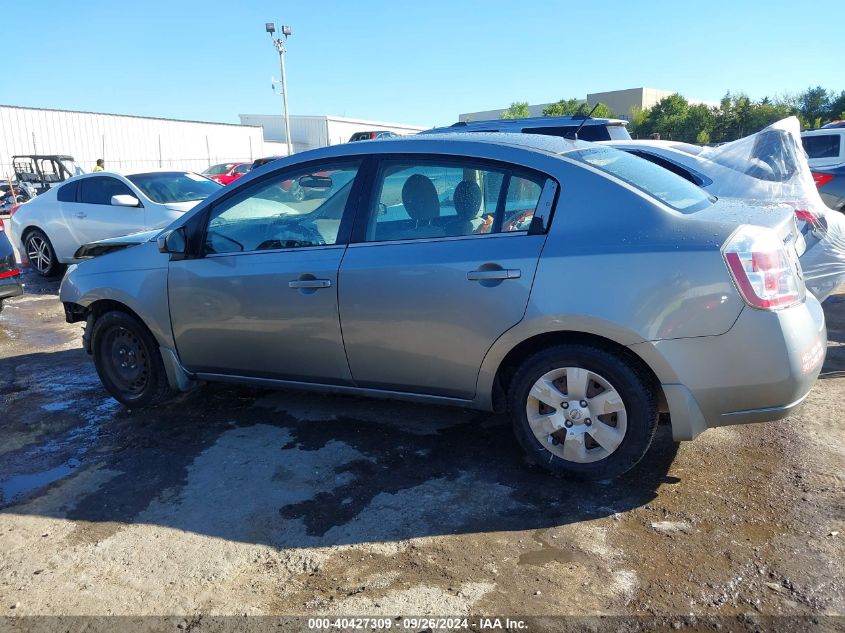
10, 287
760, 370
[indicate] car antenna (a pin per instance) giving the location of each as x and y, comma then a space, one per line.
574, 136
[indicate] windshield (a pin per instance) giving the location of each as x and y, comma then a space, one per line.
72, 167
174, 186
668, 188
216, 170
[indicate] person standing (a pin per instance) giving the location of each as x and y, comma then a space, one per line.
100, 166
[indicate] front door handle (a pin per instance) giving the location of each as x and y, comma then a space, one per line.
81, 215
310, 283
495, 274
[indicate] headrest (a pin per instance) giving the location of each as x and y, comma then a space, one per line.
419, 196
467, 199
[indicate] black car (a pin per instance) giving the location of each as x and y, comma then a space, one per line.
831, 184
10, 274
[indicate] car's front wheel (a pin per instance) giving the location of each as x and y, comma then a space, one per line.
41, 254
582, 410
128, 361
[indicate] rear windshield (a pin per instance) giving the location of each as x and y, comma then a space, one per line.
668, 188
174, 186
821, 145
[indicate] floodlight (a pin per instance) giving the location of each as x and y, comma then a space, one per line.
286, 30
270, 27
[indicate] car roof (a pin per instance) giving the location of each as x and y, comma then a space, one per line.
823, 131
136, 172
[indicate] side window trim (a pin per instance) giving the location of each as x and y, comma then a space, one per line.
344, 231
371, 169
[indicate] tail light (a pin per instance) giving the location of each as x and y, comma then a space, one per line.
15, 272
822, 179
806, 216
765, 274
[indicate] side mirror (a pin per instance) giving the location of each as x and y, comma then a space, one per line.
125, 200
174, 242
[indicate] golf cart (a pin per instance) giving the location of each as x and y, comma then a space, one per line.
44, 171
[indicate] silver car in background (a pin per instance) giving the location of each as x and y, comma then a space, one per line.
580, 288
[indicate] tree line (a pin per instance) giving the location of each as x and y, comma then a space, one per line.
737, 115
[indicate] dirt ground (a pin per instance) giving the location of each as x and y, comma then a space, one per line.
236, 501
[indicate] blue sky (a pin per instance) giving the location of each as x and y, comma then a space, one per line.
413, 62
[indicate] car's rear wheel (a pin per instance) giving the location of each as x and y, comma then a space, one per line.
128, 361
40, 253
582, 410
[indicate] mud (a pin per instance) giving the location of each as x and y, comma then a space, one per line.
234, 501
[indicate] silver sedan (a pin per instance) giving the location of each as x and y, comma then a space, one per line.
582, 289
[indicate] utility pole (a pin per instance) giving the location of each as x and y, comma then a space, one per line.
279, 43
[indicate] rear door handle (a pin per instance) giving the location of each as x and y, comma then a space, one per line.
81, 215
310, 283
487, 275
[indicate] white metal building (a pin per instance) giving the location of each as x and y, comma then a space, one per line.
309, 132
125, 142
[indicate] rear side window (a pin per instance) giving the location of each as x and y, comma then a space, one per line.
822, 145
429, 198
100, 189
67, 193
659, 183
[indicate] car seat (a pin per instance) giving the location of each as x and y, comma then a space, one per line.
467, 199
419, 197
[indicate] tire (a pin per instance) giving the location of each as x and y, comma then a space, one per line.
128, 361
594, 445
41, 254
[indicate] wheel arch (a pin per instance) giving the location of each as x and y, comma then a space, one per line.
496, 386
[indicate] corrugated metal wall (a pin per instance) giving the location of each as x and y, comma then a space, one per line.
309, 132
125, 142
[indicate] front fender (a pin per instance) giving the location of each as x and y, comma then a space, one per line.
135, 277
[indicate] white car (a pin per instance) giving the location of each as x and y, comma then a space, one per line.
52, 226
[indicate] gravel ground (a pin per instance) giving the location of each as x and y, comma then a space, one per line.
235, 501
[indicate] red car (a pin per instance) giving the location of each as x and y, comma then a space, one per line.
224, 173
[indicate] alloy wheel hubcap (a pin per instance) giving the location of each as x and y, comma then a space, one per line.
38, 254
576, 414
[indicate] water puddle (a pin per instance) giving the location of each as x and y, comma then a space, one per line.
22, 485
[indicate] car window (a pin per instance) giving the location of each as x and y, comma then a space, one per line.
217, 170
657, 182
174, 186
821, 145
67, 193
242, 169
428, 198
292, 209
100, 189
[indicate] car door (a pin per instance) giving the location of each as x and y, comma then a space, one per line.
93, 217
441, 265
260, 299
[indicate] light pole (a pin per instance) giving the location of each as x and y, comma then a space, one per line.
279, 43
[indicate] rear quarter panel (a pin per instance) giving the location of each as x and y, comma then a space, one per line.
618, 265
